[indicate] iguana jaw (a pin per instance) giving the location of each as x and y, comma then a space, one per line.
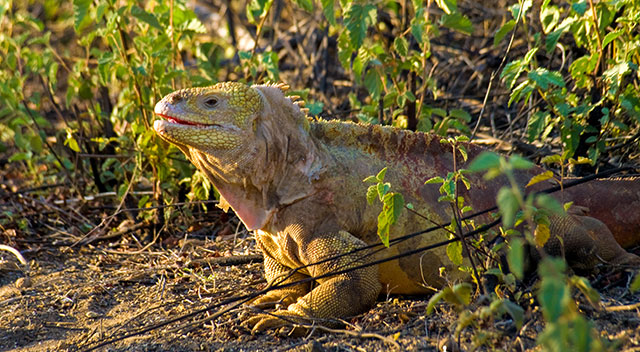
201, 136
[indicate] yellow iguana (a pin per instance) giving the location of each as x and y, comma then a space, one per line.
299, 185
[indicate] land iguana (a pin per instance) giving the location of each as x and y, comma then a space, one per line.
299, 184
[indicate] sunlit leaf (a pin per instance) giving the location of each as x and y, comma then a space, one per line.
485, 161
540, 177
515, 257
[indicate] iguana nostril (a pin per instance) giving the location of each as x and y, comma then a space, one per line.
175, 98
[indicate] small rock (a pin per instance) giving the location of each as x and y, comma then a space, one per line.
314, 346
91, 314
23, 283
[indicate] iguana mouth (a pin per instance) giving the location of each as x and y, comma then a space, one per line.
178, 121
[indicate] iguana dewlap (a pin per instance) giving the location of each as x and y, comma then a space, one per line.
299, 185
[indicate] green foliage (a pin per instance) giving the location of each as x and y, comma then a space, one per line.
459, 296
591, 99
383, 66
392, 204
510, 200
124, 57
566, 329
450, 194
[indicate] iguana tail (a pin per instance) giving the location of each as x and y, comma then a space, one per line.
615, 202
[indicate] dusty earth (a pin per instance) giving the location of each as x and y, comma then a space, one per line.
117, 295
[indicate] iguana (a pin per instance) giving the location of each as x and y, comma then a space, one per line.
298, 183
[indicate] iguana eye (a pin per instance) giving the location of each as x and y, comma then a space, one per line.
210, 102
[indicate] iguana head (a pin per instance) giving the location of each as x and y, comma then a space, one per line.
251, 141
208, 119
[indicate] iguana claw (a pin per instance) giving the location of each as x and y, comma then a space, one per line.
274, 299
279, 320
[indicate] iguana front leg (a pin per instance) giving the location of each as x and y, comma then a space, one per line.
337, 296
278, 274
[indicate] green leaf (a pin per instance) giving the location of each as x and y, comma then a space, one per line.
611, 36
503, 31
508, 205
329, 11
437, 298
80, 10
541, 234
540, 177
373, 83
143, 201
585, 287
433, 180
512, 72
381, 174
370, 179
256, 9
460, 114
544, 78
615, 73
550, 159
520, 163
553, 294
146, 17
454, 252
372, 194
518, 11
463, 151
418, 25
357, 19
515, 257
383, 188
549, 16
583, 65
307, 5
315, 108
463, 293
536, 124
458, 22
72, 143
19, 156
553, 37
579, 7
546, 201
515, 311
393, 204
484, 161
448, 6
401, 45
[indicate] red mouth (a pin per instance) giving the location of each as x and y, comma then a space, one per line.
179, 121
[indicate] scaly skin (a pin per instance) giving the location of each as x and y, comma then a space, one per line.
298, 184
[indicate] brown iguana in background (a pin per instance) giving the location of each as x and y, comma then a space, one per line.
299, 185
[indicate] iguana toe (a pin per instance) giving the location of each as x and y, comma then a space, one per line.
273, 299
277, 320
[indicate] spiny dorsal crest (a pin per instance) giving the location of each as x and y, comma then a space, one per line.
282, 86
295, 99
